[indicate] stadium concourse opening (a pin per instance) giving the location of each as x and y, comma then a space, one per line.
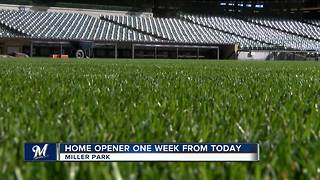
181, 51
88, 49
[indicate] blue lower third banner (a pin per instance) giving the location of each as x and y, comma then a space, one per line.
141, 152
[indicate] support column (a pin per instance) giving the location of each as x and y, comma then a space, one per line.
218, 53
155, 52
116, 51
61, 49
31, 49
132, 51
198, 53
177, 53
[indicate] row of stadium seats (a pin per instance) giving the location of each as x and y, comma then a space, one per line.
181, 31
4, 33
256, 32
68, 26
186, 30
291, 26
314, 22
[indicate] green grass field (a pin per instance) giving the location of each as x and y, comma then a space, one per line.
275, 104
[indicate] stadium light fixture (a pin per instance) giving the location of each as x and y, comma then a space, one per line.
259, 6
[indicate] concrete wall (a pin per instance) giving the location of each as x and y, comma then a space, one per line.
253, 55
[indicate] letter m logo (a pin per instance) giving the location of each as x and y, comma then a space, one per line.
40, 152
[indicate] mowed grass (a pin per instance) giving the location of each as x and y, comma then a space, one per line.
275, 104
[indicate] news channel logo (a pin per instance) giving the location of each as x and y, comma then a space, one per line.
40, 152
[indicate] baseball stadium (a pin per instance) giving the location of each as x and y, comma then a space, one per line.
161, 71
